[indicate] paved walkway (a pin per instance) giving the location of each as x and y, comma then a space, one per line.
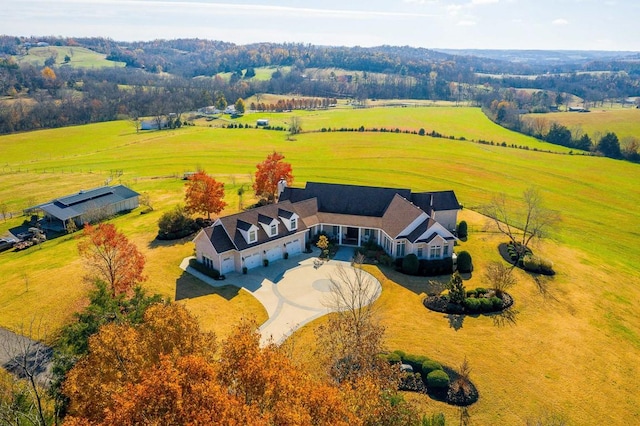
294, 291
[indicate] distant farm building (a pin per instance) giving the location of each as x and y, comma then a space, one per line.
262, 122
86, 206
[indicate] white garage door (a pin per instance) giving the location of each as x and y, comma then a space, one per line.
274, 254
252, 260
227, 265
294, 247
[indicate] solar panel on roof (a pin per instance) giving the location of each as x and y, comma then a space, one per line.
83, 196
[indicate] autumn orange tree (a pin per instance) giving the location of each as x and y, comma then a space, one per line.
163, 371
121, 355
269, 173
112, 258
204, 194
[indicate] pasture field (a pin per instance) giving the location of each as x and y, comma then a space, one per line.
80, 57
466, 122
624, 122
572, 349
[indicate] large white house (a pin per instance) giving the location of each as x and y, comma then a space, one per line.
399, 220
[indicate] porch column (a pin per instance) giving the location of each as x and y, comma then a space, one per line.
340, 235
359, 236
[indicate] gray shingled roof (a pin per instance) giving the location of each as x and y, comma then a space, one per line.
346, 199
76, 205
232, 238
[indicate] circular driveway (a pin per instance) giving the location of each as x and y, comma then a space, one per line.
294, 291
304, 294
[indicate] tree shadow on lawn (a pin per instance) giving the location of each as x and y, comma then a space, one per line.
189, 287
417, 284
155, 243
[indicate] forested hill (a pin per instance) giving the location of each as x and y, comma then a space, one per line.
161, 76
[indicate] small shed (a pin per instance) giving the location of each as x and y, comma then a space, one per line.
262, 122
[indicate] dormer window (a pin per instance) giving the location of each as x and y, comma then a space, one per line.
253, 236
274, 230
294, 223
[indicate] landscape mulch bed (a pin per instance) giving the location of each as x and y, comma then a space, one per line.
441, 304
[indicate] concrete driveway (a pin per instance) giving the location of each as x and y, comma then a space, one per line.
293, 291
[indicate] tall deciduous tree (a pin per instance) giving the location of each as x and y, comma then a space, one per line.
111, 257
204, 194
270, 172
240, 107
522, 224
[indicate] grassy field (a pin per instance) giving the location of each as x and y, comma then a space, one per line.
80, 57
572, 350
625, 122
469, 123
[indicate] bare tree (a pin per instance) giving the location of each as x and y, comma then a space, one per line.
145, 201
500, 277
295, 127
521, 225
4, 209
29, 360
352, 339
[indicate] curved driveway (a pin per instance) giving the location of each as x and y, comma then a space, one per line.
293, 291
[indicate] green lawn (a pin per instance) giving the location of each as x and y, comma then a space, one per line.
80, 57
573, 353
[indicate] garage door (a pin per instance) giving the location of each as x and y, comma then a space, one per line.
252, 260
227, 265
294, 247
274, 254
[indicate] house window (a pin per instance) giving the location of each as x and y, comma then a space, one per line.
400, 248
419, 252
252, 236
445, 251
274, 229
294, 223
435, 252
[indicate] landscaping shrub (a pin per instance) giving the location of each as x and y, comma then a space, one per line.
410, 264
546, 266
394, 358
201, 267
438, 380
415, 361
401, 354
462, 229
430, 365
497, 303
471, 293
472, 304
485, 304
176, 224
481, 290
464, 262
434, 267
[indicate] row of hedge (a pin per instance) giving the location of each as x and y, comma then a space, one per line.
530, 262
201, 267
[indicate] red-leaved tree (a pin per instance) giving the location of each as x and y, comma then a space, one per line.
269, 173
112, 257
204, 194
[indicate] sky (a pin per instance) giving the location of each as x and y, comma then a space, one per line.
451, 24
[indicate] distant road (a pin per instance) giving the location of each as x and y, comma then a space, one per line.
17, 350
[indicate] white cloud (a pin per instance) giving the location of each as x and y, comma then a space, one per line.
560, 21
481, 2
466, 23
454, 9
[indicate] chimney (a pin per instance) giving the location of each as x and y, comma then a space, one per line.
282, 184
